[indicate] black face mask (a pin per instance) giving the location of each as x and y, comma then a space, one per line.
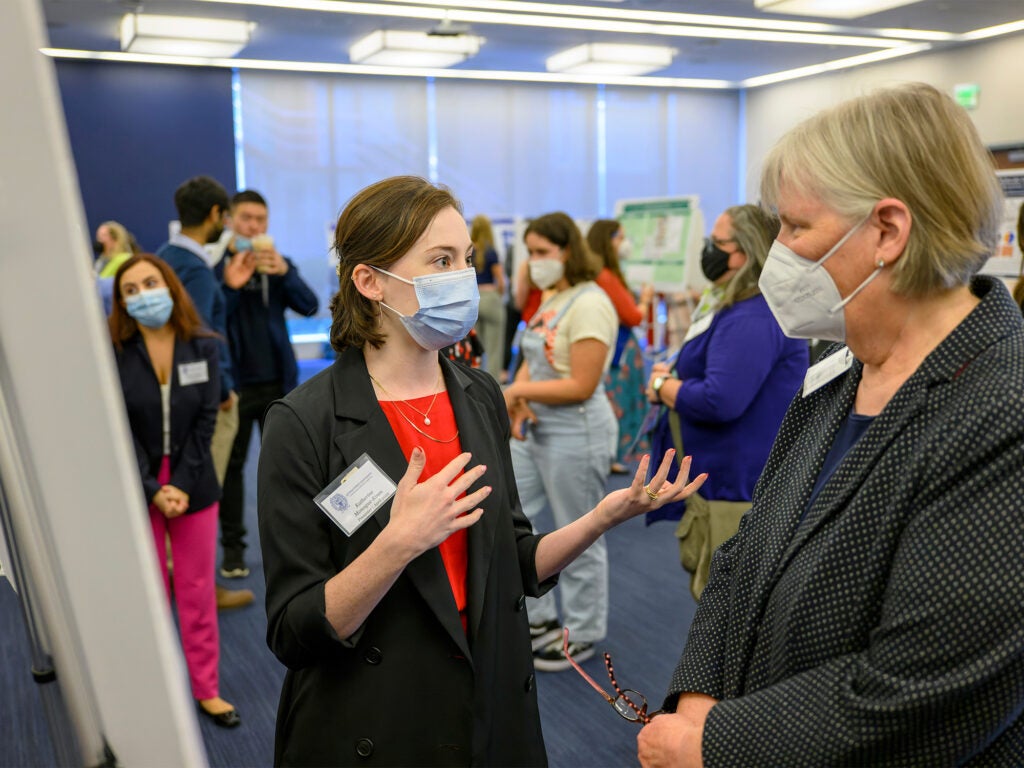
97, 247
714, 262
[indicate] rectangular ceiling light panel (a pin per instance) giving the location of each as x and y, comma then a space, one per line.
184, 36
839, 9
610, 59
413, 49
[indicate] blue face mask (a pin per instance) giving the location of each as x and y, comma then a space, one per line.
150, 308
448, 307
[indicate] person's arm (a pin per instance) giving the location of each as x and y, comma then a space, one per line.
586, 367
298, 295
522, 285
200, 285
741, 354
195, 452
125, 369
626, 308
499, 276
560, 547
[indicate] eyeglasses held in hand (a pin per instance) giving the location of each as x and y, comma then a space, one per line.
629, 704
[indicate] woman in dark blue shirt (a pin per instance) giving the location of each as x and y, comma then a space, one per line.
730, 385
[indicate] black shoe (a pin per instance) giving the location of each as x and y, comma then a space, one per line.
229, 719
544, 633
233, 565
552, 658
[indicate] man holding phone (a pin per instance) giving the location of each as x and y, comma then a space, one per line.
257, 293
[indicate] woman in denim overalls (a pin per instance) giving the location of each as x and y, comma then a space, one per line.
562, 419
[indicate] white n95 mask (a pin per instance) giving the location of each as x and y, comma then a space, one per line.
802, 295
546, 272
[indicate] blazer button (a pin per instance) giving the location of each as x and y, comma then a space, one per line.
364, 747
529, 684
521, 603
374, 656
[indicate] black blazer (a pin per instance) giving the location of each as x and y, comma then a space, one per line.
886, 627
409, 687
193, 415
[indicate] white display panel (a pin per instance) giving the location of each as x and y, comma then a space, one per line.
69, 474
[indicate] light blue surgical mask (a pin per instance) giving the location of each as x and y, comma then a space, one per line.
448, 305
150, 308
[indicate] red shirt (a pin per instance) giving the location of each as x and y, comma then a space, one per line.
454, 550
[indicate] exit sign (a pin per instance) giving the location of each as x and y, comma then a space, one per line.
966, 95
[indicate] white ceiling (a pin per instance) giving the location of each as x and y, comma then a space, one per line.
313, 36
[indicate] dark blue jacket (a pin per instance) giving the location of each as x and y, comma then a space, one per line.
739, 377
204, 290
193, 414
256, 329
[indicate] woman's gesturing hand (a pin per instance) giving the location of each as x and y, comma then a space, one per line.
425, 514
619, 506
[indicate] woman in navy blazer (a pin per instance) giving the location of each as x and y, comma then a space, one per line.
169, 373
406, 639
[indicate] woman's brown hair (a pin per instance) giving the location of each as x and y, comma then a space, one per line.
558, 228
184, 317
599, 240
377, 228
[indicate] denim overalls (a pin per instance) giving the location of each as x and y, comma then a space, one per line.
565, 462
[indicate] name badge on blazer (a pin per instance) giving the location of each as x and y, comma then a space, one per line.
356, 494
832, 367
193, 373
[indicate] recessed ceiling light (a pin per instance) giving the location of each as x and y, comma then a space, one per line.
839, 9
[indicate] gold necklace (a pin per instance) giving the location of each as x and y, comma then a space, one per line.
411, 422
424, 414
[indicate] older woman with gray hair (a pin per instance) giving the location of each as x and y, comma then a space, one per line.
868, 611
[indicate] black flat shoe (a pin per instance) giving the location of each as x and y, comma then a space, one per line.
229, 719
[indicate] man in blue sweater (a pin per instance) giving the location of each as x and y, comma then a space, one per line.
202, 207
259, 285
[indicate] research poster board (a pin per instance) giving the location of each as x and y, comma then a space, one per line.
665, 237
1006, 260
79, 529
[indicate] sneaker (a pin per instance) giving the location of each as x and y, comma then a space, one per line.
233, 566
551, 658
544, 633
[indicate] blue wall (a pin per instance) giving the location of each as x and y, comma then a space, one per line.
138, 131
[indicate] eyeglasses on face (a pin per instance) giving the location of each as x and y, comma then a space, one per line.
627, 703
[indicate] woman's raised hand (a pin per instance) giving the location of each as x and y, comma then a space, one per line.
621, 505
425, 514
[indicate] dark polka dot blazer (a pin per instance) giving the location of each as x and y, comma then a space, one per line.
886, 628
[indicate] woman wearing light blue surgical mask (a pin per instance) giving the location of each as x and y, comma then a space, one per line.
168, 367
418, 579
871, 598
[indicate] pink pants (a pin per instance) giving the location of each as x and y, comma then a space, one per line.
193, 553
